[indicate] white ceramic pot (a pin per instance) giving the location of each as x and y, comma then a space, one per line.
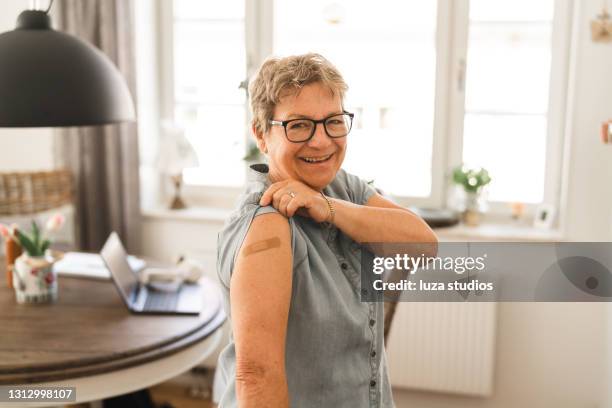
34, 279
474, 208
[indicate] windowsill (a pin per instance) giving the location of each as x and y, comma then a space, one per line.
203, 214
487, 231
499, 231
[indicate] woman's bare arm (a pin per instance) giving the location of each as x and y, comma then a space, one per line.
382, 221
260, 295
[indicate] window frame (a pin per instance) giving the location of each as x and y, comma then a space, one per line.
557, 102
255, 11
451, 51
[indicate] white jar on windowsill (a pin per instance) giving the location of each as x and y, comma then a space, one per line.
475, 207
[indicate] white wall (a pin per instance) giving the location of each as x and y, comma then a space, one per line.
26, 149
22, 149
589, 200
589, 203
548, 355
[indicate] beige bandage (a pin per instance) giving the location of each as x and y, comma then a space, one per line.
262, 246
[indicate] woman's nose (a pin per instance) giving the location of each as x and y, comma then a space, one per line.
320, 138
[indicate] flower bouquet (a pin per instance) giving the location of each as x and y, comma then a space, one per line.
472, 182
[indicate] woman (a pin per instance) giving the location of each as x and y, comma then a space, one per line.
289, 257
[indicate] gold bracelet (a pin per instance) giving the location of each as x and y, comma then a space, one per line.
332, 211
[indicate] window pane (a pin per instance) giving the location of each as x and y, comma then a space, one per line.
511, 10
208, 10
507, 95
217, 135
508, 68
387, 55
209, 64
513, 149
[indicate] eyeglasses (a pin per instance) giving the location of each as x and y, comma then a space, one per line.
302, 130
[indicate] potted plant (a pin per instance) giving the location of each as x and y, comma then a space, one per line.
253, 154
34, 279
472, 181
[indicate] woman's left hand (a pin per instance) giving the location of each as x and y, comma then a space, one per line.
292, 197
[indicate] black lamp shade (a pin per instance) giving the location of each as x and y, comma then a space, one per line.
49, 78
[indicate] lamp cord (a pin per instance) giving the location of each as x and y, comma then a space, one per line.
49, 8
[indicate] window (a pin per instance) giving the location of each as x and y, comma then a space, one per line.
209, 63
507, 95
387, 54
432, 84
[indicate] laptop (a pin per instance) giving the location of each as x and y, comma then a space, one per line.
143, 299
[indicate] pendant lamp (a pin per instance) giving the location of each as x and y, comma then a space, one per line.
52, 79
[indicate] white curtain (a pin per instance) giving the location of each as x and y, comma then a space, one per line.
103, 159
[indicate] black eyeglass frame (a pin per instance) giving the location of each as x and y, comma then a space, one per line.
284, 124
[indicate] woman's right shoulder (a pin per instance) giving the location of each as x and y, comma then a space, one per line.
235, 231
238, 225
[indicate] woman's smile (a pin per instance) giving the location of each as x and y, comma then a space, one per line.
317, 169
317, 160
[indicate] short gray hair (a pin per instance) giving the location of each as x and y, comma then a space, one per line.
278, 77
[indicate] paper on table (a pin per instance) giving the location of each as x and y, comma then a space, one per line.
88, 265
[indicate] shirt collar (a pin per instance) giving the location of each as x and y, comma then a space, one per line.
258, 179
258, 172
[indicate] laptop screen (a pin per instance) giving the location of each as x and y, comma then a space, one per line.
116, 260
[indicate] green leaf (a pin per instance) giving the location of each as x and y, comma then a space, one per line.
253, 153
27, 244
45, 245
472, 180
35, 234
459, 176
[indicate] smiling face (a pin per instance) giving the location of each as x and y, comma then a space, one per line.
316, 161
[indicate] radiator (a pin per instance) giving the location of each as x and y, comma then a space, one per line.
443, 347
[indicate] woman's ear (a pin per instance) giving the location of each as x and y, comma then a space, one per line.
259, 138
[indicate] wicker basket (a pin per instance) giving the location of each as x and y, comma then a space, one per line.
27, 193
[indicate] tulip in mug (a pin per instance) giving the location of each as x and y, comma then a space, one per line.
34, 279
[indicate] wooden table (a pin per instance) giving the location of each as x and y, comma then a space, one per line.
89, 339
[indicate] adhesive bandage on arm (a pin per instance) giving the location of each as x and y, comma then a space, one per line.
262, 246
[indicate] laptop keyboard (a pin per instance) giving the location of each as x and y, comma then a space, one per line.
161, 301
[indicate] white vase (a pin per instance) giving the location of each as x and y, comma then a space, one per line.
34, 279
474, 208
